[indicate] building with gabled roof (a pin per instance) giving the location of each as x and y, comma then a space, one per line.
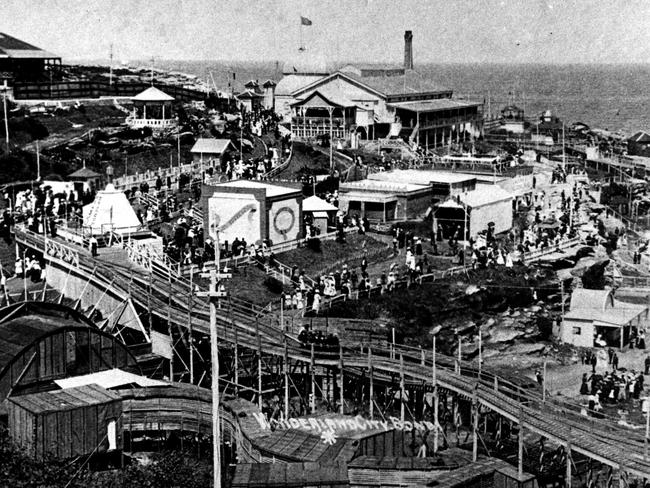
377, 101
207, 149
639, 144
250, 100
597, 315
474, 211
21, 61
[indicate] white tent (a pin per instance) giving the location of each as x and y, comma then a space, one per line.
110, 210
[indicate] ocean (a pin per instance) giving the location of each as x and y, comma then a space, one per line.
613, 97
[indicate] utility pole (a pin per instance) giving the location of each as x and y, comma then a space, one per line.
434, 380
215, 294
460, 352
38, 162
544, 379
331, 110
480, 351
241, 141
178, 146
562, 298
646, 408
4, 103
110, 68
563, 150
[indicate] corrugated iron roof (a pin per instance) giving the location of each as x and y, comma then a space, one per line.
586, 299
434, 105
408, 83
12, 47
68, 399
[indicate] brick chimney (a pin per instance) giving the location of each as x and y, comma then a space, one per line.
408, 49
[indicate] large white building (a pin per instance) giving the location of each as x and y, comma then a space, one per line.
374, 101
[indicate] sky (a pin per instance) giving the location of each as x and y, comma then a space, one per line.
464, 31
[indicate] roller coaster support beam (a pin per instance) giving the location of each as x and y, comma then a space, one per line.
520, 447
436, 401
371, 390
236, 353
402, 391
259, 364
190, 306
475, 422
567, 476
312, 373
342, 383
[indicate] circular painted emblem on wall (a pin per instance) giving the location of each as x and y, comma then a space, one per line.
284, 220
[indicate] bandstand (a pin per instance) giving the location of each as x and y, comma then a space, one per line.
152, 108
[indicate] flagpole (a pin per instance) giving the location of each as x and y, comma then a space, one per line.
301, 47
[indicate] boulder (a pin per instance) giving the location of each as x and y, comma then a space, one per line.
504, 334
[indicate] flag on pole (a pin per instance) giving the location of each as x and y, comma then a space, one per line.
304, 21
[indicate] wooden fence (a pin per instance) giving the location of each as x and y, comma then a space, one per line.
96, 89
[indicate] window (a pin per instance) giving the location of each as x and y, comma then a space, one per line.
577, 331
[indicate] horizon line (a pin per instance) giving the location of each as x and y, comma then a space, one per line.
396, 63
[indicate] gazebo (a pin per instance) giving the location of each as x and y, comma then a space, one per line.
152, 108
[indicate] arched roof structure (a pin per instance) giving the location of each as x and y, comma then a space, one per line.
41, 342
585, 299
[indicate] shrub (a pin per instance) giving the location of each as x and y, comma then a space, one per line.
273, 284
314, 244
545, 327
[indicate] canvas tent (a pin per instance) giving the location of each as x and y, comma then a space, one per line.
110, 211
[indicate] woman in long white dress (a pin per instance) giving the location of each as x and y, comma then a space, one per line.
315, 306
500, 260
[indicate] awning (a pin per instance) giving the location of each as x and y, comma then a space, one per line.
435, 105
362, 196
450, 204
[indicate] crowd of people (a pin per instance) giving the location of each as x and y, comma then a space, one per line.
611, 387
30, 267
308, 337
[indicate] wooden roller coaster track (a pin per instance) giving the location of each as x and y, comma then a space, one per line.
247, 325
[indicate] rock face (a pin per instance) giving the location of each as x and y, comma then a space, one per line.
502, 334
526, 348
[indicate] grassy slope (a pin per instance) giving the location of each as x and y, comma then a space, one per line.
332, 252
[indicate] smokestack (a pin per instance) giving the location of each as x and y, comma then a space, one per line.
408, 49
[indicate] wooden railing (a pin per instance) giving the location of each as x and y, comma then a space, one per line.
532, 256
279, 168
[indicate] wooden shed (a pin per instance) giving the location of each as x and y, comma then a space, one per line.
66, 423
